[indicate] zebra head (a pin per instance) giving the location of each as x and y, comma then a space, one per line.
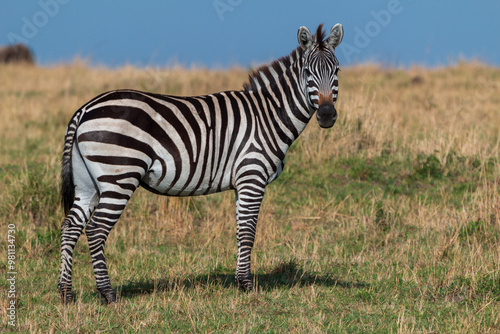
318, 75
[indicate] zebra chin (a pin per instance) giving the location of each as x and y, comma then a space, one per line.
326, 115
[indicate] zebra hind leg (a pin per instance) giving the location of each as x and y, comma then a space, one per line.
105, 216
71, 228
248, 201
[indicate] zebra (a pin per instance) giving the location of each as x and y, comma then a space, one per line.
188, 146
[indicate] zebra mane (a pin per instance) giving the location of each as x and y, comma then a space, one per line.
258, 77
320, 37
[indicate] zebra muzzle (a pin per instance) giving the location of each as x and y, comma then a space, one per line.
326, 115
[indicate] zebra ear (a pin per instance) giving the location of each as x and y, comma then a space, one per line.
336, 35
305, 38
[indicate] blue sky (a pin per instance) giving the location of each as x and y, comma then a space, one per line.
223, 33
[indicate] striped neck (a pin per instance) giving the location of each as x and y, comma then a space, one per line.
280, 84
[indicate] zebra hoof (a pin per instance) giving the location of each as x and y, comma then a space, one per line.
245, 284
110, 297
67, 296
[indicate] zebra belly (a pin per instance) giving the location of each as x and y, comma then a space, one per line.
161, 178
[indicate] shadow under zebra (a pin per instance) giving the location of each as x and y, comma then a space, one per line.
285, 275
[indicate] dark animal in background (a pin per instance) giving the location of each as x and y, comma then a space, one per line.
17, 53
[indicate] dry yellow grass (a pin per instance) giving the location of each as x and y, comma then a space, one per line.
362, 257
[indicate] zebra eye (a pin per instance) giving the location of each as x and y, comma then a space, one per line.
337, 70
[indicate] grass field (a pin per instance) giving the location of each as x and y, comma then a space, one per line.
389, 222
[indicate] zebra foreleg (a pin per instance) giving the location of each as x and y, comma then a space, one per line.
107, 213
248, 201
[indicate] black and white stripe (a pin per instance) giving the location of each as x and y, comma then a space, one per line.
186, 146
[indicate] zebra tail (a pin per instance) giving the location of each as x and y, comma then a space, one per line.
67, 184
